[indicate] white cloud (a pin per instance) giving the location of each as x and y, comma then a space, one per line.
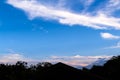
12, 56
114, 47
109, 36
77, 60
114, 4
6, 58
110, 7
87, 2
35, 9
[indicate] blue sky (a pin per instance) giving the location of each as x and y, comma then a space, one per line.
36, 30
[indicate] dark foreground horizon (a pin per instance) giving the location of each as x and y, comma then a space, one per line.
60, 71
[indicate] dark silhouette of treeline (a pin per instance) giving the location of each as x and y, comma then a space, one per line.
60, 71
110, 70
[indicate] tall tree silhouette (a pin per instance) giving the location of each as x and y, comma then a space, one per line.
110, 70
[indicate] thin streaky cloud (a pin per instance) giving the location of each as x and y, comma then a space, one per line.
87, 3
106, 35
114, 3
61, 3
36, 10
38, 27
111, 7
117, 46
77, 60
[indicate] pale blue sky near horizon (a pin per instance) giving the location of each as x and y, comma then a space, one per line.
42, 28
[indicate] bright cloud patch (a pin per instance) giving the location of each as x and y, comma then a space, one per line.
35, 9
77, 60
11, 58
109, 36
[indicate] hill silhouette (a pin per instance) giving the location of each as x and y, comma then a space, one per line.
60, 71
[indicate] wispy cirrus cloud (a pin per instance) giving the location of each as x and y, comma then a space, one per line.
38, 27
35, 9
86, 3
109, 36
113, 6
117, 46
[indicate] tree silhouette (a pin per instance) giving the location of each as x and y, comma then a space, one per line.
46, 70
110, 70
